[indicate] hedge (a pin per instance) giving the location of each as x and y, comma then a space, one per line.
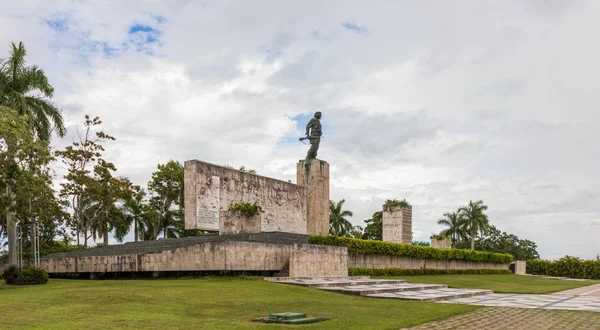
25, 276
565, 267
411, 272
361, 246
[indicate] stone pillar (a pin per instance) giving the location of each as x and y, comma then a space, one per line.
519, 267
314, 175
443, 243
397, 225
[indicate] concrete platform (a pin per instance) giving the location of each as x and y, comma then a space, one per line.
370, 289
325, 282
432, 294
592, 290
578, 303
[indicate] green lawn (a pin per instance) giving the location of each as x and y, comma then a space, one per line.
222, 303
498, 283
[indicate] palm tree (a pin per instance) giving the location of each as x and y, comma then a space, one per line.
475, 220
455, 226
338, 224
133, 209
26, 89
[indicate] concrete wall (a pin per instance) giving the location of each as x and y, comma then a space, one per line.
397, 225
441, 243
210, 189
378, 261
318, 260
314, 174
234, 222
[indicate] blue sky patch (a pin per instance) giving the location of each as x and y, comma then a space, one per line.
354, 27
59, 22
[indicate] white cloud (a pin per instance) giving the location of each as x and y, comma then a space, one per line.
435, 104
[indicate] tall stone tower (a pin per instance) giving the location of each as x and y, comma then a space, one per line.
314, 175
397, 224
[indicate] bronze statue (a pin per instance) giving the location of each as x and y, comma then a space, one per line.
313, 134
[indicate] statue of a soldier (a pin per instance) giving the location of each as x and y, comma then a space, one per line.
313, 134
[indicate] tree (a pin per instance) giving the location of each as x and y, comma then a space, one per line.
455, 227
475, 220
26, 90
166, 203
22, 171
374, 228
502, 242
133, 211
356, 232
90, 186
338, 224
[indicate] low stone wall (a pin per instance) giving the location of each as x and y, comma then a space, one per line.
379, 261
319, 260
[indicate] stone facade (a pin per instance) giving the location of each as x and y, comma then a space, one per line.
397, 225
319, 260
379, 261
441, 243
314, 175
519, 267
210, 189
234, 222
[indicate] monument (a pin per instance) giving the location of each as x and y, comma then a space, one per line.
397, 224
313, 174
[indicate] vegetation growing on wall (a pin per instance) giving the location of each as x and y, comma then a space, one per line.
390, 203
360, 246
412, 272
246, 209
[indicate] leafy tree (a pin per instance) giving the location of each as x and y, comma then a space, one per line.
338, 224
501, 242
455, 227
90, 186
357, 232
475, 220
26, 90
22, 172
374, 228
166, 203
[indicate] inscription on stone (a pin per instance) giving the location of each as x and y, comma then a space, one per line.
208, 206
392, 226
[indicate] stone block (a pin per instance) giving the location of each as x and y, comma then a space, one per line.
309, 260
314, 175
519, 267
234, 222
441, 243
397, 225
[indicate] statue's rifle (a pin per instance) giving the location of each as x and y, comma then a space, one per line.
308, 138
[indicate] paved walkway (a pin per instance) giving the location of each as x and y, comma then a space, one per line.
592, 291
578, 303
517, 319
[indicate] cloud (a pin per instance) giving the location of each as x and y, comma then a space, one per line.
416, 102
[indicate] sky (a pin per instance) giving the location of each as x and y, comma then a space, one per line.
435, 102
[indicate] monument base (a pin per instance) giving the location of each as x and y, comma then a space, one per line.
314, 175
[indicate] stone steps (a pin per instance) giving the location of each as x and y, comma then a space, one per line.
365, 290
432, 294
379, 288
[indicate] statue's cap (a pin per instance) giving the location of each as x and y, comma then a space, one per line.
317, 113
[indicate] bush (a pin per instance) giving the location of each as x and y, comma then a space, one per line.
26, 276
360, 246
11, 274
565, 267
412, 272
246, 209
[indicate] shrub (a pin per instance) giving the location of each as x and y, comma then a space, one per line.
11, 274
387, 206
26, 276
246, 209
360, 246
32, 275
412, 272
567, 267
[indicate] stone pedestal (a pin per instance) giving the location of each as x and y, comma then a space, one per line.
397, 225
314, 175
444, 243
234, 222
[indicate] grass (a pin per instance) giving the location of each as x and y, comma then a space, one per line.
498, 283
217, 303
